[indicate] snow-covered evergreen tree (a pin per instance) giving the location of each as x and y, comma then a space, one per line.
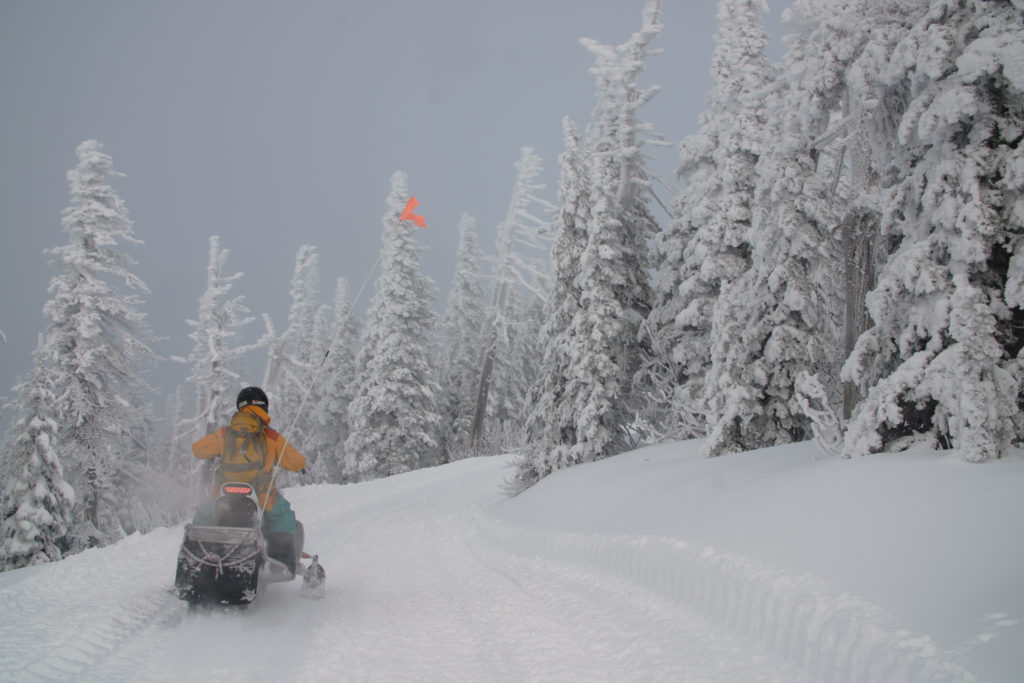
508, 386
552, 418
93, 349
834, 157
707, 244
940, 362
777, 318
36, 508
872, 106
215, 361
334, 391
394, 418
462, 343
529, 352
177, 442
305, 342
180, 489
500, 391
314, 394
615, 294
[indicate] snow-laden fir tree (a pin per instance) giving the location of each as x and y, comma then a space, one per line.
825, 178
36, 507
778, 319
180, 490
940, 362
394, 417
92, 353
216, 357
216, 361
529, 351
831, 151
307, 424
615, 294
334, 390
297, 354
175, 435
552, 419
501, 393
461, 348
864, 131
514, 366
706, 245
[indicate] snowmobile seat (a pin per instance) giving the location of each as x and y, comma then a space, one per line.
240, 511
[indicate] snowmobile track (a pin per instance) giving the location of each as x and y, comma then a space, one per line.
74, 653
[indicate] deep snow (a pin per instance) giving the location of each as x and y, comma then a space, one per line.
657, 565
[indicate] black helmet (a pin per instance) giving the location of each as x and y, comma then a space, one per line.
252, 396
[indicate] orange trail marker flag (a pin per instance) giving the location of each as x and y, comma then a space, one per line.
408, 215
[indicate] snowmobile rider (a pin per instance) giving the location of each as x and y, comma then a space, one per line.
279, 524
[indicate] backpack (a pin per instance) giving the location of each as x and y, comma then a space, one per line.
244, 454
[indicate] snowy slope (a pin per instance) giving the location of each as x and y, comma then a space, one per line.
657, 565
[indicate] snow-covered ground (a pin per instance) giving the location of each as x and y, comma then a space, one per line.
658, 565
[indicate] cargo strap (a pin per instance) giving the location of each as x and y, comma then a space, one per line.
210, 559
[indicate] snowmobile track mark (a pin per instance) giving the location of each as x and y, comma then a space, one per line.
82, 651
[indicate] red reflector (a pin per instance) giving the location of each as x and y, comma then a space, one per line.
244, 490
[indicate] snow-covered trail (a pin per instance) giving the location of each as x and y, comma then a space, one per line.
423, 594
656, 565
420, 588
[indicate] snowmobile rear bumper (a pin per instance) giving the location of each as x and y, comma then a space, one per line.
219, 565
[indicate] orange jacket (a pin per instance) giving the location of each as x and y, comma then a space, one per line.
211, 445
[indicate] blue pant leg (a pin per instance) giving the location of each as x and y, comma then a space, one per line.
279, 528
280, 518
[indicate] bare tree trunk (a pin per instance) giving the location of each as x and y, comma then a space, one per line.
859, 230
481, 396
484, 387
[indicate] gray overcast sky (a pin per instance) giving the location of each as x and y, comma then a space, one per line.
276, 124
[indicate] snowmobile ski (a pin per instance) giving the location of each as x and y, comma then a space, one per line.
314, 579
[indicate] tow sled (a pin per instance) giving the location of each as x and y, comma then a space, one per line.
225, 562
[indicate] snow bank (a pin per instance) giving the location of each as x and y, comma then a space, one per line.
891, 568
833, 637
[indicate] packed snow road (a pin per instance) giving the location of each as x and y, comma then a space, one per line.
421, 587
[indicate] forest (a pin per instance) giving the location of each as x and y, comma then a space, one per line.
840, 264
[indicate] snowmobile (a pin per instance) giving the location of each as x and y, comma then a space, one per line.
224, 562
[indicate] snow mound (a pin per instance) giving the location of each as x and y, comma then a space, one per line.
896, 567
830, 636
